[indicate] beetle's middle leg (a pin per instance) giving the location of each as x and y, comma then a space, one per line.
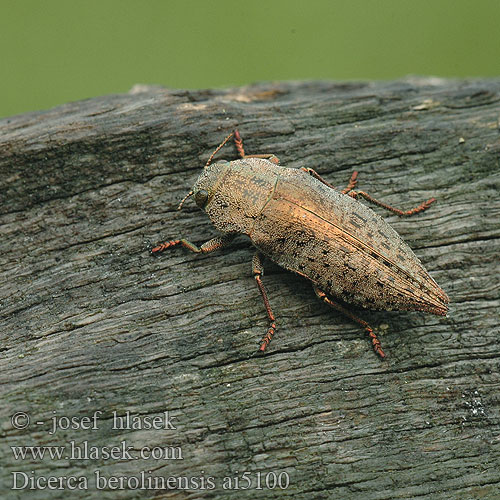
315, 174
350, 186
258, 271
239, 146
375, 341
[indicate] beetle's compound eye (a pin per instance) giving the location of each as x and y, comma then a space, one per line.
201, 198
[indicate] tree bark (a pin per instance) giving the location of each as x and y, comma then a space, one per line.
91, 322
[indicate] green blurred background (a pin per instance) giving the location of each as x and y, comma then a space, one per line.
56, 51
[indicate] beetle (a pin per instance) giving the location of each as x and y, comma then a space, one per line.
304, 224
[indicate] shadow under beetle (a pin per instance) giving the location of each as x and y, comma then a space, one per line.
304, 224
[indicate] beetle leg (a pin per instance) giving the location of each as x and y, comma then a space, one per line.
270, 157
239, 143
355, 194
375, 341
207, 247
315, 174
423, 206
258, 272
352, 183
241, 151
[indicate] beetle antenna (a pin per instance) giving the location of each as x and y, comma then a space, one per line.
218, 149
184, 199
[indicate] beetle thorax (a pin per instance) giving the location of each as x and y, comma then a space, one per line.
234, 193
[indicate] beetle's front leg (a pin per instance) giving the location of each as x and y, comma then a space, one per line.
241, 151
258, 272
375, 341
207, 247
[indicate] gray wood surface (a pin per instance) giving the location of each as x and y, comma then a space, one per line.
90, 321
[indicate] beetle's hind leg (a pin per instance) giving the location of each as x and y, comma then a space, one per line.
258, 272
349, 190
423, 206
241, 151
375, 341
356, 194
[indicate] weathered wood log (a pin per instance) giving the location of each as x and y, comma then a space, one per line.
92, 322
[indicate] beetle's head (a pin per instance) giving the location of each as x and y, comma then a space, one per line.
204, 188
206, 185
232, 194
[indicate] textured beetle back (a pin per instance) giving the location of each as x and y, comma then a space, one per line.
343, 246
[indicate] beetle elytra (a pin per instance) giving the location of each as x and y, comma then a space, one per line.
301, 222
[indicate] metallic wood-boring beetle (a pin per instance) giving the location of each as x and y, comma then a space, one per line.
304, 224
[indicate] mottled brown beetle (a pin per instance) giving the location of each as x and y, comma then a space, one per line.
301, 222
